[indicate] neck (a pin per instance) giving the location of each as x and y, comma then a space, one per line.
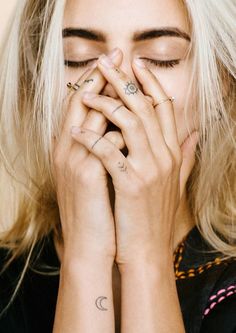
184, 221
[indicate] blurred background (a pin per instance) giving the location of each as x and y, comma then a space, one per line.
6, 8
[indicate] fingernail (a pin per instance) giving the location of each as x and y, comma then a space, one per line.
106, 61
139, 63
88, 95
114, 53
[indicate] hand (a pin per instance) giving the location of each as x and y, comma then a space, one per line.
81, 179
150, 181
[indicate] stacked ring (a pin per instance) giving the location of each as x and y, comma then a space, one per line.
171, 99
73, 86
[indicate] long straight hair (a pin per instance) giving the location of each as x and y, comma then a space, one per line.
31, 96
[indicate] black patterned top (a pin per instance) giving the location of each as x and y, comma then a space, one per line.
206, 287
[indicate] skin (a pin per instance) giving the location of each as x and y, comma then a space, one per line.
160, 159
173, 80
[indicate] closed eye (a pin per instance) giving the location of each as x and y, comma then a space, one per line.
158, 63
76, 64
163, 63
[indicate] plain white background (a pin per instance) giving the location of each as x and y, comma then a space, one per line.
6, 8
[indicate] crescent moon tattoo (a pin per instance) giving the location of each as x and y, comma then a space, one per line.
98, 303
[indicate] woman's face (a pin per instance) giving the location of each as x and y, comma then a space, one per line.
118, 22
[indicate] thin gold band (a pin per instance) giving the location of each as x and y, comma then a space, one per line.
171, 99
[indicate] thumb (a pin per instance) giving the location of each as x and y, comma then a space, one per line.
188, 149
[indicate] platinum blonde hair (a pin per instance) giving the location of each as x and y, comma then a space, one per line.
31, 96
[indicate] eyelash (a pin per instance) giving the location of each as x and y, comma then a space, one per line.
158, 63
162, 63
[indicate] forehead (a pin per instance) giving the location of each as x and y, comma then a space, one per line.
123, 17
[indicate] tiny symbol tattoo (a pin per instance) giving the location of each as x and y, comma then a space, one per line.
122, 166
98, 303
130, 88
88, 80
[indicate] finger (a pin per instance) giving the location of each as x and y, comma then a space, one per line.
94, 121
95, 82
75, 110
136, 102
188, 149
165, 111
93, 162
71, 89
130, 125
113, 160
97, 122
116, 138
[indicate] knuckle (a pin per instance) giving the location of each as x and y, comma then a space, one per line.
146, 108
149, 99
94, 116
116, 138
178, 157
107, 151
123, 76
134, 123
168, 165
135, 188
152, 177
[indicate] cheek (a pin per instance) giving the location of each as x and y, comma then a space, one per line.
176, 84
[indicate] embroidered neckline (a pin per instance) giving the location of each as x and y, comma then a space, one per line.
219, 297
191, 272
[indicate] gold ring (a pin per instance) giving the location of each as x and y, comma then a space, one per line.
171, 99
73, 86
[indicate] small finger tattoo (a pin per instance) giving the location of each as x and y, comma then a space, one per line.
96, 142
117, 70
130, 88
98, 303
122, 166
88, 80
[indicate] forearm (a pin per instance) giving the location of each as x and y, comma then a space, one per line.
81, 299
150, 300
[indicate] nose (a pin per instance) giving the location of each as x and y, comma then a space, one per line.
109, 89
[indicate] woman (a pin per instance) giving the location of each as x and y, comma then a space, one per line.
118, 170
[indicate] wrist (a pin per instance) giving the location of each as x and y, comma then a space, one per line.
157, 266
75, 270
92, 256
73, 263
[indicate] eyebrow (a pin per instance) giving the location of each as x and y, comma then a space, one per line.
138, 36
